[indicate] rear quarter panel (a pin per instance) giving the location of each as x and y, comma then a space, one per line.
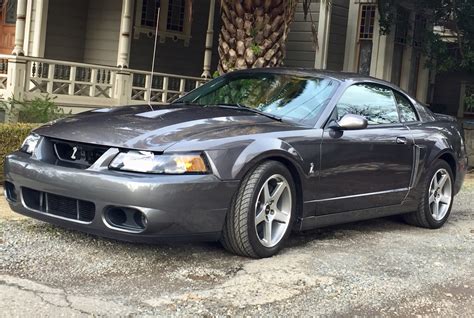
434, 139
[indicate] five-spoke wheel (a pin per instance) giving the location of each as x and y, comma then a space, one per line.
436, 199
440, 194
273, 210
262, 212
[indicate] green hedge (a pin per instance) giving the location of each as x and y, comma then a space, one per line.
11, 137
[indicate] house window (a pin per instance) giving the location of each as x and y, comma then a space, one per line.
176, 10
419, 31
366, 33
10, 12
173, 17
401, 27
149, 13
367, 20
468, 99
401, 40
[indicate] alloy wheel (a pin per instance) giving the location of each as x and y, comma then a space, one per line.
273, 210
440, 194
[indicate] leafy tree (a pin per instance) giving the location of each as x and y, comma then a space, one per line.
453, 53
254, 32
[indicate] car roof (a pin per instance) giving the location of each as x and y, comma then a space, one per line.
340, 76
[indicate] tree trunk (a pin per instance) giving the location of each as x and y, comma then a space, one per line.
254, 33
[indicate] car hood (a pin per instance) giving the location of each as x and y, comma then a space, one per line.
139, 127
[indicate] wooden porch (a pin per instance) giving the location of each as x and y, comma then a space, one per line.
81, 86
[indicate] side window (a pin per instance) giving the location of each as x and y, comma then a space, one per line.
407, 112
374, 102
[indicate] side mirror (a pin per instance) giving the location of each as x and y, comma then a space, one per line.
349, 122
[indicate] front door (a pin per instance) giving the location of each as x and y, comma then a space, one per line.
7, 25
365, 168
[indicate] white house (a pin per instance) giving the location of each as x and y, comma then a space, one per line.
94, 53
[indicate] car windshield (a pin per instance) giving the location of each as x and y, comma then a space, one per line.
295, 98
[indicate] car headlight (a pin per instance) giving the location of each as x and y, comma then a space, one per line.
30, 143
148, 162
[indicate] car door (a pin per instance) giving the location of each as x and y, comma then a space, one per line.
370, 167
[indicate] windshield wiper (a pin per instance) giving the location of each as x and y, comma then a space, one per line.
249, 109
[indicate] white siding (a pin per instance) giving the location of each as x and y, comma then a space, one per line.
300, 49
65, 31
103, 31
337, 35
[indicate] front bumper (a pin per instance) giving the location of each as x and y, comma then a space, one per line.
188, 207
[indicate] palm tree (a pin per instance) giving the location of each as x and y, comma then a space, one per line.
254, 33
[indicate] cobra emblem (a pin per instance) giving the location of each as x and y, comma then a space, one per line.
74, 151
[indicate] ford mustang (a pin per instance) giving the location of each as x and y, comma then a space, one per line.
245, 159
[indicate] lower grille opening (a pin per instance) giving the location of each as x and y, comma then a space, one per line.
126, 218
10, 191
33, 199
59, 205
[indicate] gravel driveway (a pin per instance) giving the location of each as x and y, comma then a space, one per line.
377, 267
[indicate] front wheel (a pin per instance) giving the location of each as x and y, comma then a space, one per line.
262, 212
435, 205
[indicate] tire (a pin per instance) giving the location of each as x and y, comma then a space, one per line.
259, 221
426, 215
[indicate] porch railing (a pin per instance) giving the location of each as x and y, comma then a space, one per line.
3, 74
90, 85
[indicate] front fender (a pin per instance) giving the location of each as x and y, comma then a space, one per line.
233, 164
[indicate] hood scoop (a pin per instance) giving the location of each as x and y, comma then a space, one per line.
158, 113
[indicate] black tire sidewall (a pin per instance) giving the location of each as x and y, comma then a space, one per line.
271, 168
439, 164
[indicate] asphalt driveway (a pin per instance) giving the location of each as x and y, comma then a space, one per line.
377, 267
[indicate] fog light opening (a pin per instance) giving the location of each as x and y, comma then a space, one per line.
117, 216
140, 219
126, 218
10, 192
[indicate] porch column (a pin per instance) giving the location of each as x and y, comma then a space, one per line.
39, 36
350, 54
320, 61
382, 52
209, 41
16, 82
123, 55
20, 28
423, 80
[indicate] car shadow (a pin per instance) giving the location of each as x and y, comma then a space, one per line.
179, 249
339, 231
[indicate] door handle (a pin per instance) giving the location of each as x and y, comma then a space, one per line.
401, 140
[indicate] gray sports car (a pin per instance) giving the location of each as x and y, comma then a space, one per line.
244, 159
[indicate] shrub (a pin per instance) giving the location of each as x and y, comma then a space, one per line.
37, 110
11, 137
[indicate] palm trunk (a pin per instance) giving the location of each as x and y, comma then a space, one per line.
254, 33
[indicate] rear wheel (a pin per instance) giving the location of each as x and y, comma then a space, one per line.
262, 212
435, 205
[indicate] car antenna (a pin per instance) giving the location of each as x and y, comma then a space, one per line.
153, 59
